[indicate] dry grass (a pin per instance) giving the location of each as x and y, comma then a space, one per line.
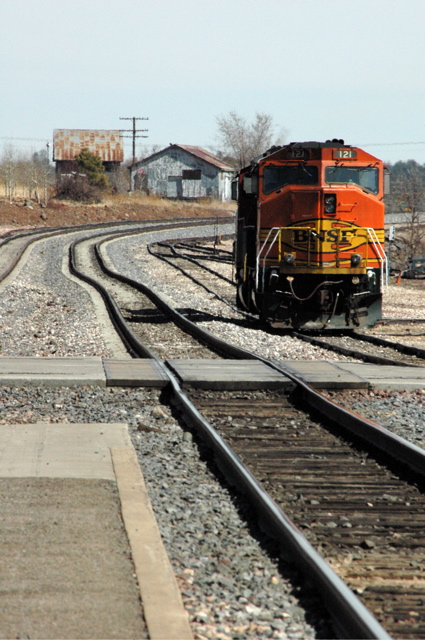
134, 206
138, 197
127, 199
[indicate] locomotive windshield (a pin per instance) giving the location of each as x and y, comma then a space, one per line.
279, 176
366, 177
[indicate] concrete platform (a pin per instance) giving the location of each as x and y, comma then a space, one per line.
134, 373
68, 372
205, 374
227, 374
321, 374
388, 377
357, 375
46, 450
52, 371
79, 543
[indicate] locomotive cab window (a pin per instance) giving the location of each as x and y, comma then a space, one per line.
250, 184
365, 177
275, 177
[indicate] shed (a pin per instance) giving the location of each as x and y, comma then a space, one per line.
183, 171
105, 143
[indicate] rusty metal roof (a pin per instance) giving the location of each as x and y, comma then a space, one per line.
206, 155
105, 143
201, 153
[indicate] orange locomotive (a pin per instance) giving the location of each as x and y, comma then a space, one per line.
310, 236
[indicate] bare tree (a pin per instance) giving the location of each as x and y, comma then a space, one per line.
8, 172
42, 175
24, 175
241, 141
408, 198
147, 150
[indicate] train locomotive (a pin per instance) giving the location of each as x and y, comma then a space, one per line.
309, 250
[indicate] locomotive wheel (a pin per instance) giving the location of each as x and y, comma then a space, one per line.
254, 305
247, 295
242, 295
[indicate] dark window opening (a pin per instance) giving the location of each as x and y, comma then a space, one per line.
191, 174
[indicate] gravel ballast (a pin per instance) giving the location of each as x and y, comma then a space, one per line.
233, 584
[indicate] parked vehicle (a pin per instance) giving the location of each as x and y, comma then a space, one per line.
415, 267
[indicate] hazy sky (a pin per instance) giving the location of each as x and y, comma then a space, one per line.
351, 69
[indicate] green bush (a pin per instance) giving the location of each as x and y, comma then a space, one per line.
91, 165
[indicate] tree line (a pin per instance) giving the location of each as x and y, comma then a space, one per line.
32, 174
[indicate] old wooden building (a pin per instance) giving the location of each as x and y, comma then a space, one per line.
105, 143
183, 171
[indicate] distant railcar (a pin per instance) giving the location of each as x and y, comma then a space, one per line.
310, 236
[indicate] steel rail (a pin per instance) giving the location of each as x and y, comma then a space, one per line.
361, 355
399, 346
183, 256
36, 235
387, 321
351, 618
165, 259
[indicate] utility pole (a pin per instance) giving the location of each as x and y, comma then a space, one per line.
46, 174
134, 135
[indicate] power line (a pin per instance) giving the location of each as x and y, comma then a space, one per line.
388, 144
35, 139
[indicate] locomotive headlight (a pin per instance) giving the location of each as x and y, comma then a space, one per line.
330, 203
289, 258
356, 259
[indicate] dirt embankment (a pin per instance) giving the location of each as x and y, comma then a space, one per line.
26, 214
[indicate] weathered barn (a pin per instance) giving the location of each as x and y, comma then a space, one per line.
105, 143
183, 171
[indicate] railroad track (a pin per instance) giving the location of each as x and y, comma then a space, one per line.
381, 499
368, 348
14, 243
206, 265
365, 519
194, 260
162, 330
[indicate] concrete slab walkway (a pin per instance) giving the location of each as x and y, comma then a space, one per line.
206, 373
80, 551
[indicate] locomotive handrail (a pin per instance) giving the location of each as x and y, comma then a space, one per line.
278, 234
380, 254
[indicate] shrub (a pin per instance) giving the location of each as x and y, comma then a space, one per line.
77, 187
92, 166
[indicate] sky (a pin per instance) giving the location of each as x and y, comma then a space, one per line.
351, 69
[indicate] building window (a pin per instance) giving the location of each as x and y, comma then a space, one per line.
191, 174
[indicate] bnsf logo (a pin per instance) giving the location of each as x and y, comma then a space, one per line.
326, 239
